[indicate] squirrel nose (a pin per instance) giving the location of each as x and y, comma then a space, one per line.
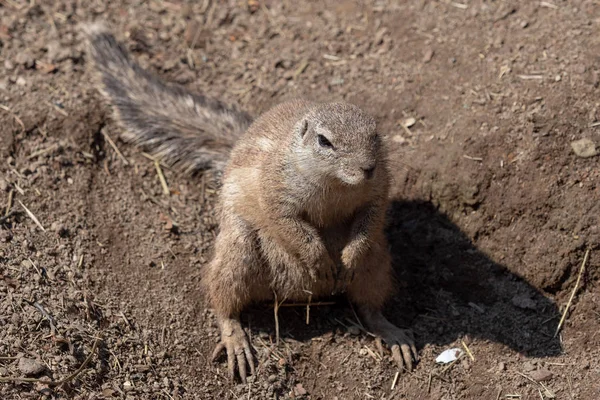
369, 172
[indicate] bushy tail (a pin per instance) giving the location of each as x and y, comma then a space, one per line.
183, 129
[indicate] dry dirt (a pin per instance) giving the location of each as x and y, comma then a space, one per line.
491, 217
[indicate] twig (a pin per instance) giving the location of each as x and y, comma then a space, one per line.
161, 177
581, 270
33, 217
8, 110
7, 216
114, 146
472, 158
60, 382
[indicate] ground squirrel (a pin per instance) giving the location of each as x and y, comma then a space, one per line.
303, 198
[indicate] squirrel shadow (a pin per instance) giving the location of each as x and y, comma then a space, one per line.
447, 289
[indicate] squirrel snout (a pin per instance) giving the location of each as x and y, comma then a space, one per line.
369, 172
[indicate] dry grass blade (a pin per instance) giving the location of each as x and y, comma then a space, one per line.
564, 315
114, 146
45, 314
33, 217
316, 304
467, 350
548, 5
42, 152
9, 202
161, 177
276, 313
8, 110
395, 380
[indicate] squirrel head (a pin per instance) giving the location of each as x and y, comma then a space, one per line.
340, 140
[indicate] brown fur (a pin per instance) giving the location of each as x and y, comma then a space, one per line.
302, 204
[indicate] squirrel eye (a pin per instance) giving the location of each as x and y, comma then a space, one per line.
324, 142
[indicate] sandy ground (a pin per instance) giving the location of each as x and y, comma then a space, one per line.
491, 216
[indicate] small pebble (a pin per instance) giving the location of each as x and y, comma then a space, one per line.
127, 386
29, 366
541, 375
584, 148
427, 55
528, 366
26, 59
354, 330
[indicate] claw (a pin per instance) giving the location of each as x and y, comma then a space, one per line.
379, 346
217, 351
235, 344
400, 341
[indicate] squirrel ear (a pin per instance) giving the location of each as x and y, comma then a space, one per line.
302, 127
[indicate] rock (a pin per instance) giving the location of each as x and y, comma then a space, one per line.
528, 366
408, 122
299, 390
541, 375
501, 366
21, 81
57, 52
398, 139
584, 148
29, 366
427, 55
8, 65
25, 59
379, 35
127, 386
272, 378
524, 301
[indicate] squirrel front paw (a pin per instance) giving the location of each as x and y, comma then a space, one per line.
236, 345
